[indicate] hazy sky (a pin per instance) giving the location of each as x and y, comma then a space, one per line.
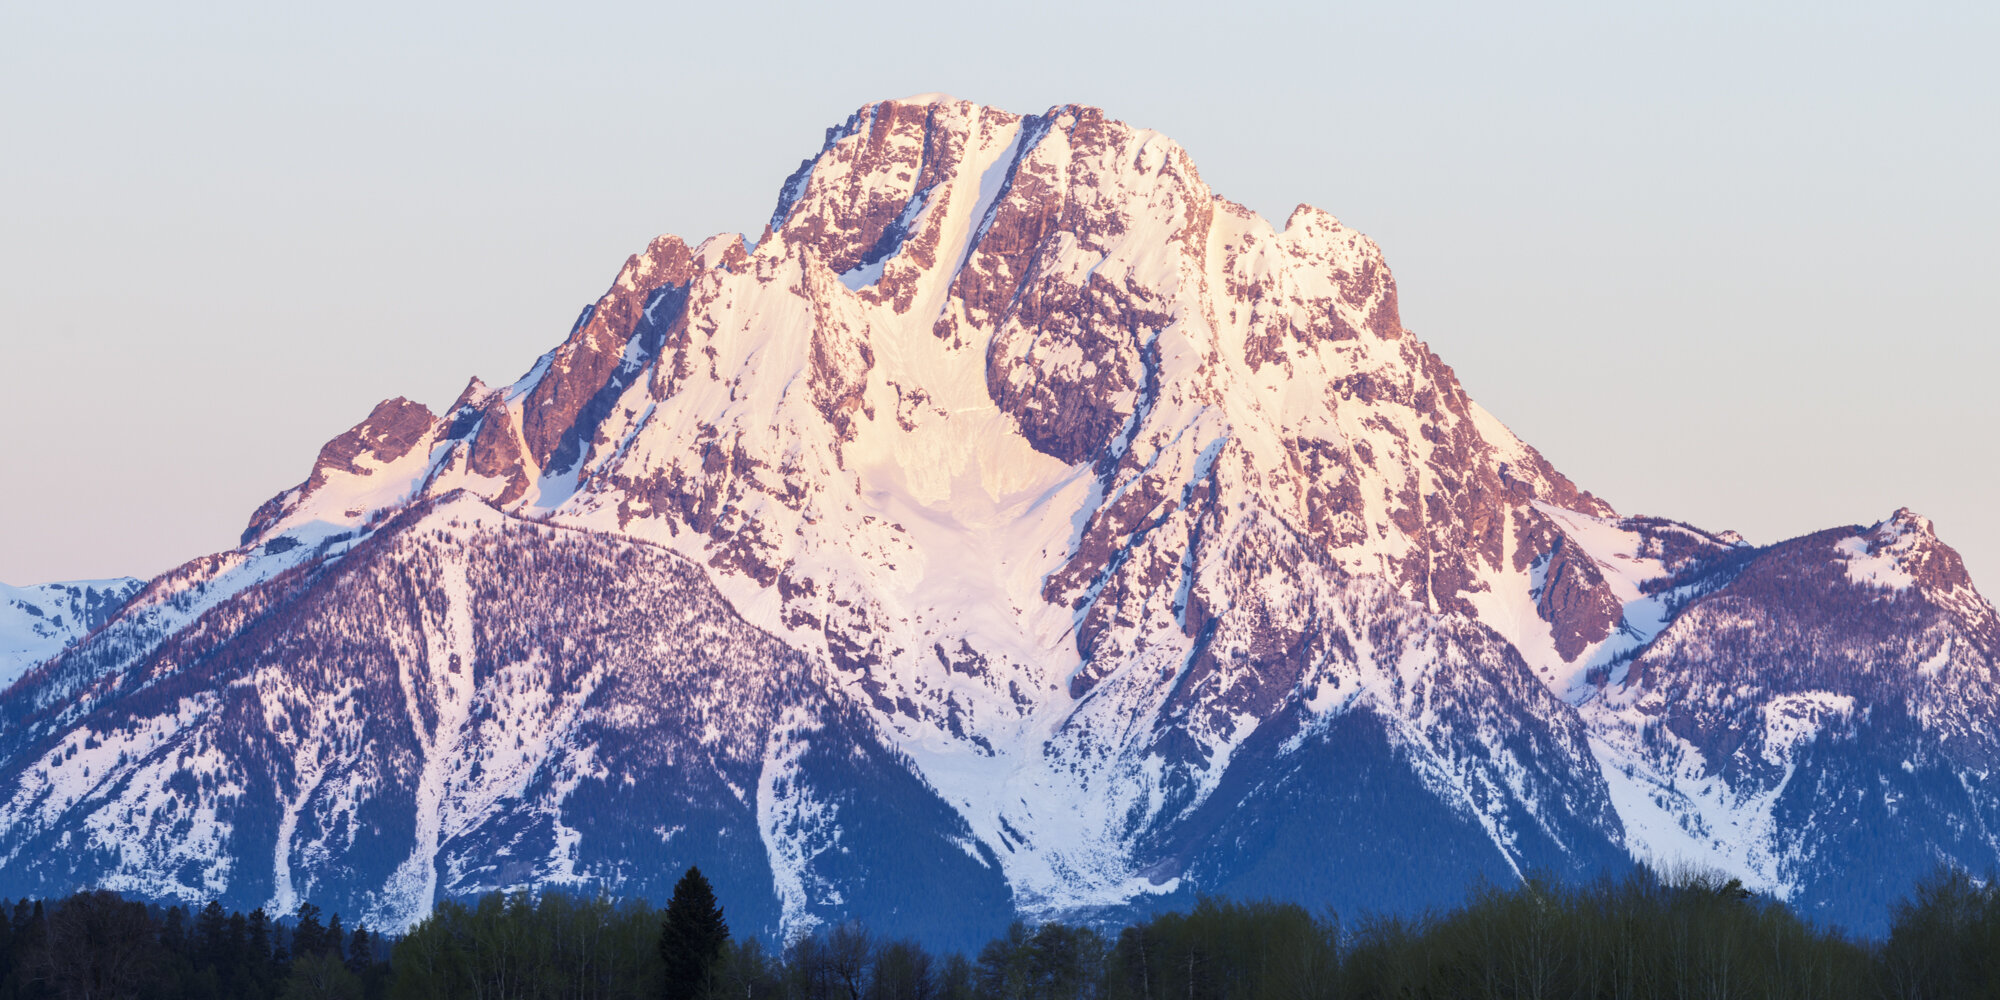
1729, 263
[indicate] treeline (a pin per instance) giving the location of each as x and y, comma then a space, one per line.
1684, 936
98, 946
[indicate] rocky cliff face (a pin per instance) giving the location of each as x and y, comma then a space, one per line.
1124, 544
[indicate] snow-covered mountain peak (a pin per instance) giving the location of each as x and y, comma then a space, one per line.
1104, 509
357, 475
1903, 551
991, 422
1905, 521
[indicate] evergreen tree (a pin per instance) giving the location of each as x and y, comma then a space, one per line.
261, 971
173, 934
308, 935
211, 932
360, 951
237, 946
6, 946
691, 937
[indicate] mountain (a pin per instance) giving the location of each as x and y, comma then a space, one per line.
1821, 716
38, 622
1016, 526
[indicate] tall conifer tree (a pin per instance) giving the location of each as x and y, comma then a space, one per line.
691, 937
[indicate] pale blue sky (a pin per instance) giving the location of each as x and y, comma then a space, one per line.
1730, 263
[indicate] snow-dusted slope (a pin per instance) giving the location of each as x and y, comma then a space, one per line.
1133, 529
468, 701
1825, 722
40, 621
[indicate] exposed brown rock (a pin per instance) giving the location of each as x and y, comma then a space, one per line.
854, 193
1576, 602
580, 369
841, 356
1100, 327
389, 432
496, 451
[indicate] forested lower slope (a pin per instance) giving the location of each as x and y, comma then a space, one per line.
1687, 935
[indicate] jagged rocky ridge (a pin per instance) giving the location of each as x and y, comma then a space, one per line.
1016, 523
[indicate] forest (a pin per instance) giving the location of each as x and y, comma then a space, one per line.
1680, 935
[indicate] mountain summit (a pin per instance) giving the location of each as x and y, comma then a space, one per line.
1016, 518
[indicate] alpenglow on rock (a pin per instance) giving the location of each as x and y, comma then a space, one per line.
1017, 527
